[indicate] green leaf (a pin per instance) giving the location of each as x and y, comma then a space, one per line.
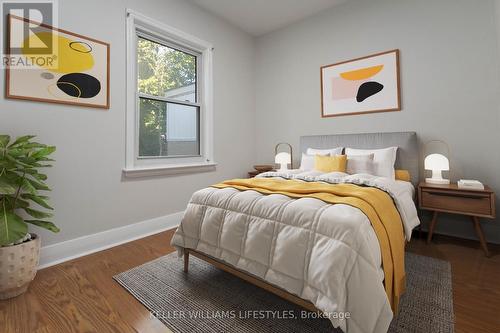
20, 203
26, 186
17, 161
44, 152
44, 224
39, 176
17, 152
34, 145
40, 200
37, 214
13, 203
34, 173
12, 227
45, 159
22, 139
39, 185
28, 164
7, 187
4, 140
4, 163
13, 176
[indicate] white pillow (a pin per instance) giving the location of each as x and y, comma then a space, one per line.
324, 152
367, 157
383, 159
360, 164
307, 162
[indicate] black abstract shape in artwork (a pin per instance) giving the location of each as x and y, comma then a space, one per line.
368, 89
79, 85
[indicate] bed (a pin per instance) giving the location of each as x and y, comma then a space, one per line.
328, 242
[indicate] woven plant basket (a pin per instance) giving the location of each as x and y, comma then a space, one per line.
18, 266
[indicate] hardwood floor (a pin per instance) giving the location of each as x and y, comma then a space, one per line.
476, 281
81, 296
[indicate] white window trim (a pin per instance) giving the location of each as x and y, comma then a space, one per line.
135, 167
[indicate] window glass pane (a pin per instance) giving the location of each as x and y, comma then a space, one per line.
166, 72
168, 129
182, 122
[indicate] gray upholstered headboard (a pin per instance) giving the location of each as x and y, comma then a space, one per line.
407, 156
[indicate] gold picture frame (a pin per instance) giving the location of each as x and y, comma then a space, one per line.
363, 85
81, 77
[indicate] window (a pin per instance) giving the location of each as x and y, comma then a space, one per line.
169, 111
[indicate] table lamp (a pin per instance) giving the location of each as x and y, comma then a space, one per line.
437, 163
283, 159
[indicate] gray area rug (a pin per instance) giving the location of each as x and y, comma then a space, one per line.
210, 300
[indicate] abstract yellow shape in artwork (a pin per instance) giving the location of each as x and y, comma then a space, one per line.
362, 74
71, 56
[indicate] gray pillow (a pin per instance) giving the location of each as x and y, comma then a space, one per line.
360, 164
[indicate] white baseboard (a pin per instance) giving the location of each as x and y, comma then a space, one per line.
60, 252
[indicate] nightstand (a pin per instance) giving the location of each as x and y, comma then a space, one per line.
452, 199
260, 168
254, 173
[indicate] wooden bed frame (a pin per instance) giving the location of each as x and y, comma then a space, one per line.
249, 278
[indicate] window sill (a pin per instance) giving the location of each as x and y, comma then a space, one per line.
166, 170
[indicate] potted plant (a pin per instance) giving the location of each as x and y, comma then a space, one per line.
21, 203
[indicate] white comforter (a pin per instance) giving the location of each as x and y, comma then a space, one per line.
327, 254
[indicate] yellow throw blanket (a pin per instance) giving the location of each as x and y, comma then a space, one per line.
376, 204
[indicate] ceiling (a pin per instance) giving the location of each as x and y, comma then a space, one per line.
258, 17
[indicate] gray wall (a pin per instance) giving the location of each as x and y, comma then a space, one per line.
89, 192
449, 71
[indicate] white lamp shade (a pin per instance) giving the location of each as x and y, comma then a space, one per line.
436, 162
283, 158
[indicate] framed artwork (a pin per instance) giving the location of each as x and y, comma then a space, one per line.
72, 69
364, 85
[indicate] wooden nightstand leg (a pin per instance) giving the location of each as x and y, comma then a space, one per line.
431, 226
480, 235
186, 260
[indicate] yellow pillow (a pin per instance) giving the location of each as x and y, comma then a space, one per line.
403, 175
335, 163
